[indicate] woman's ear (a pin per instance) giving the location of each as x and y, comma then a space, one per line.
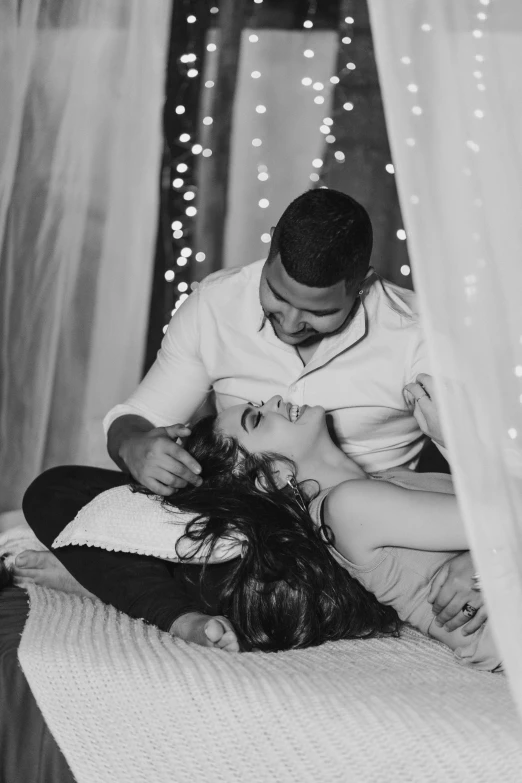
280, 475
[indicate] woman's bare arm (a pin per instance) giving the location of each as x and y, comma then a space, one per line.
366, 515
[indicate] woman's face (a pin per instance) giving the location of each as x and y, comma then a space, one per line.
275, 426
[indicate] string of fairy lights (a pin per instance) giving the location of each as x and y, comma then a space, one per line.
183, 167
341, 82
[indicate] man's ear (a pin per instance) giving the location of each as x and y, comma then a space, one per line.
272, 229
280, 473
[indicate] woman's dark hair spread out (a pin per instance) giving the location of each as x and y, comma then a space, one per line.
286, 590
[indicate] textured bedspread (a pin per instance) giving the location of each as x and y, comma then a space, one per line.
128, 703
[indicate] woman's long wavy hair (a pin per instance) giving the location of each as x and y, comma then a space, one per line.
286, 590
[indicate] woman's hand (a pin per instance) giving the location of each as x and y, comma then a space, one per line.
207, 631
421, 395
451, 590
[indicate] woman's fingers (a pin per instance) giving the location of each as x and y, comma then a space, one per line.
438, 581
415, 390
424, 410
451, 616
473, 625
427, 383
220, 631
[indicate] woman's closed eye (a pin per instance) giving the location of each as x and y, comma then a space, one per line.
247, 422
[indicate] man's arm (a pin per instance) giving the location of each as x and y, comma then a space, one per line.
120, 431
177, 383
143, 433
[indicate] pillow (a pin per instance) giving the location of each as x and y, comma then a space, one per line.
124, 521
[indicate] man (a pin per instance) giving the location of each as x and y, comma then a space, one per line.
313, 323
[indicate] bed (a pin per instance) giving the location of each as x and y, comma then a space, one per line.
121, 701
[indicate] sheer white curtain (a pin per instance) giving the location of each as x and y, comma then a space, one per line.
81, 92
450, 75
284, 146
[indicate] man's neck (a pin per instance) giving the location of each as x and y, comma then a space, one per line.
306, 352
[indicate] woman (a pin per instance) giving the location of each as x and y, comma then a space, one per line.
285, 591
389, 538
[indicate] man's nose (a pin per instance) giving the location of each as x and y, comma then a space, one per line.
292, 321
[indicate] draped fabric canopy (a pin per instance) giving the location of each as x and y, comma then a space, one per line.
450, 75
81, 84
81, 89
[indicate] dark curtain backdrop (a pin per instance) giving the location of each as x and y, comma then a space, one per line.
360, 134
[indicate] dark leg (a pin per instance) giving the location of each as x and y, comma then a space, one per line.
145, 587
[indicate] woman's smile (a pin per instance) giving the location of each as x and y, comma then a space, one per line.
296, 412
266, 427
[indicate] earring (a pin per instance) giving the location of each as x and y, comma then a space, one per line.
292, 483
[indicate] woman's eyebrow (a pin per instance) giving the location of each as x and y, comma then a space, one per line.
244, 417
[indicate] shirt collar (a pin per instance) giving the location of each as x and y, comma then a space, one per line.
329, 347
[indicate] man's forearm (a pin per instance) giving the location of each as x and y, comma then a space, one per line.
120, 430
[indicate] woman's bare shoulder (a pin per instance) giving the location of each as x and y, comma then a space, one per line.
342, 498
345, 513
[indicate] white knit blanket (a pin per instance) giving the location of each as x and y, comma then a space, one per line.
128, 703
124, 521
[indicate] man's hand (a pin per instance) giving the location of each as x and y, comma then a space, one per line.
158, 462
421, 395
451, 590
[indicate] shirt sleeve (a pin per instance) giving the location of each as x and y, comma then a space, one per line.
419, 361
177, 383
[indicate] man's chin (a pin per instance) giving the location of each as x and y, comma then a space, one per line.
290, 339
297, 339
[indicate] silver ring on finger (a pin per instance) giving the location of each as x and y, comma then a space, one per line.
424, 390
469, 610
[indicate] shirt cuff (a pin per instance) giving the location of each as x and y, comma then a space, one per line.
132, 410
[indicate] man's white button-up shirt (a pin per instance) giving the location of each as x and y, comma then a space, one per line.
218, 340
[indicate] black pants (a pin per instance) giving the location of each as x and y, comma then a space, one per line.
154, 590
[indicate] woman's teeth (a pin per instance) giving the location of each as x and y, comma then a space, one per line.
295, 410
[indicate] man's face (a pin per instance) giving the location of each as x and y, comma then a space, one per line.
299, 314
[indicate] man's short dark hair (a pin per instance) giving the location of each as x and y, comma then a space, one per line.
323, 237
